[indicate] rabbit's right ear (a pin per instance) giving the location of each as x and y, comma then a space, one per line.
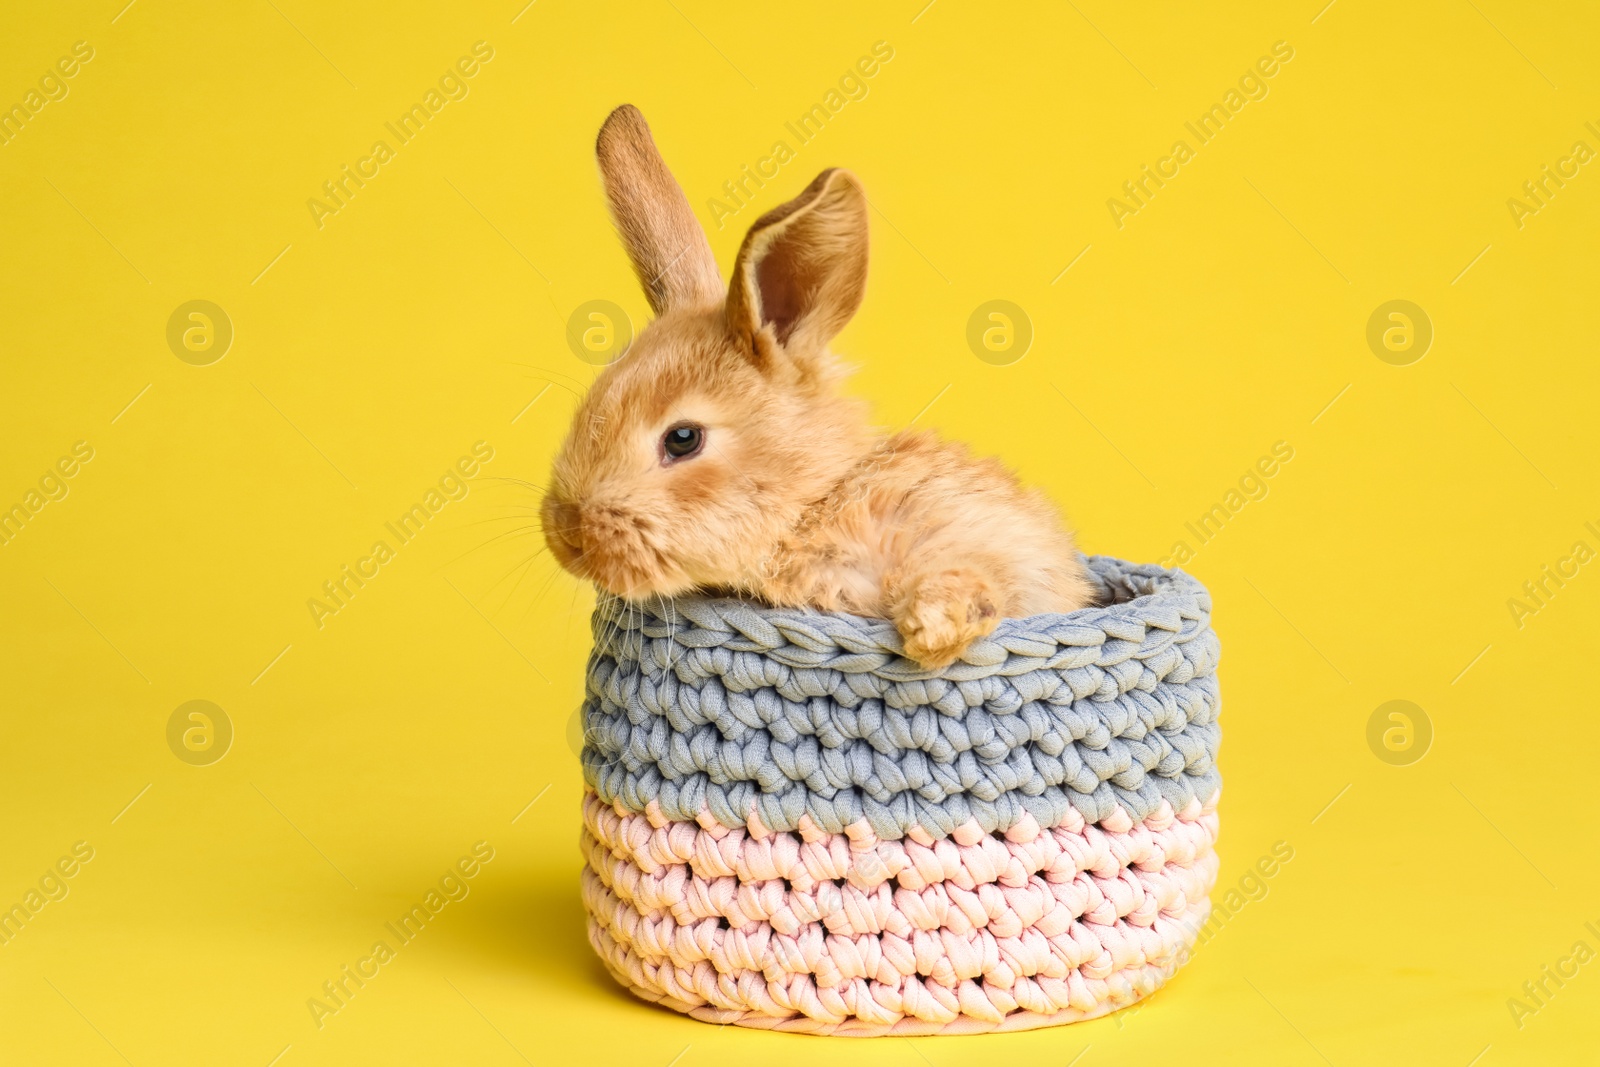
802, 270
669, 250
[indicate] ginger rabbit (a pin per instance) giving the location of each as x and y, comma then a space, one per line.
718, 454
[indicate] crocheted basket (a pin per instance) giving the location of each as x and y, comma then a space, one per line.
789, 825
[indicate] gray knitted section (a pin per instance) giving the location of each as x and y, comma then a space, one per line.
725, 704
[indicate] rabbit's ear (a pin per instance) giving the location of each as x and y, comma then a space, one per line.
664, 240
802, 269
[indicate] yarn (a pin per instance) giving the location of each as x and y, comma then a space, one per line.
790, 825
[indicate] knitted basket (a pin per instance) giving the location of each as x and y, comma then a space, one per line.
789, 825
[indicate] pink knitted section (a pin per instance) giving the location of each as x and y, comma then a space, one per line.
851, 935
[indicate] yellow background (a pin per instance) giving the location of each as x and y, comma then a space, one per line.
428, 713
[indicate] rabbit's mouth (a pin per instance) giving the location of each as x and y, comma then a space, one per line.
614, 550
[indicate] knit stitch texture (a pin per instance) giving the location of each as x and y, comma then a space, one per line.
790, 825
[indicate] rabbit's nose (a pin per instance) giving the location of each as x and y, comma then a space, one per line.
565, 523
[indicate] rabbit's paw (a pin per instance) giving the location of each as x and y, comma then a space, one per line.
944, 613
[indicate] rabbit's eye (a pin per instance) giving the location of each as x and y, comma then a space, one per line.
681, 442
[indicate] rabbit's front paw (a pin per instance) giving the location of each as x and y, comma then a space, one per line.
944, 614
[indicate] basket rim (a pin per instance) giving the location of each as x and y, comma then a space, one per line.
1142, 597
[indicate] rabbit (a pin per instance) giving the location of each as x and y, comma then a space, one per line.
717, 455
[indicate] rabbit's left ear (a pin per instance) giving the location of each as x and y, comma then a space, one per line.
669, 250
802, 269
